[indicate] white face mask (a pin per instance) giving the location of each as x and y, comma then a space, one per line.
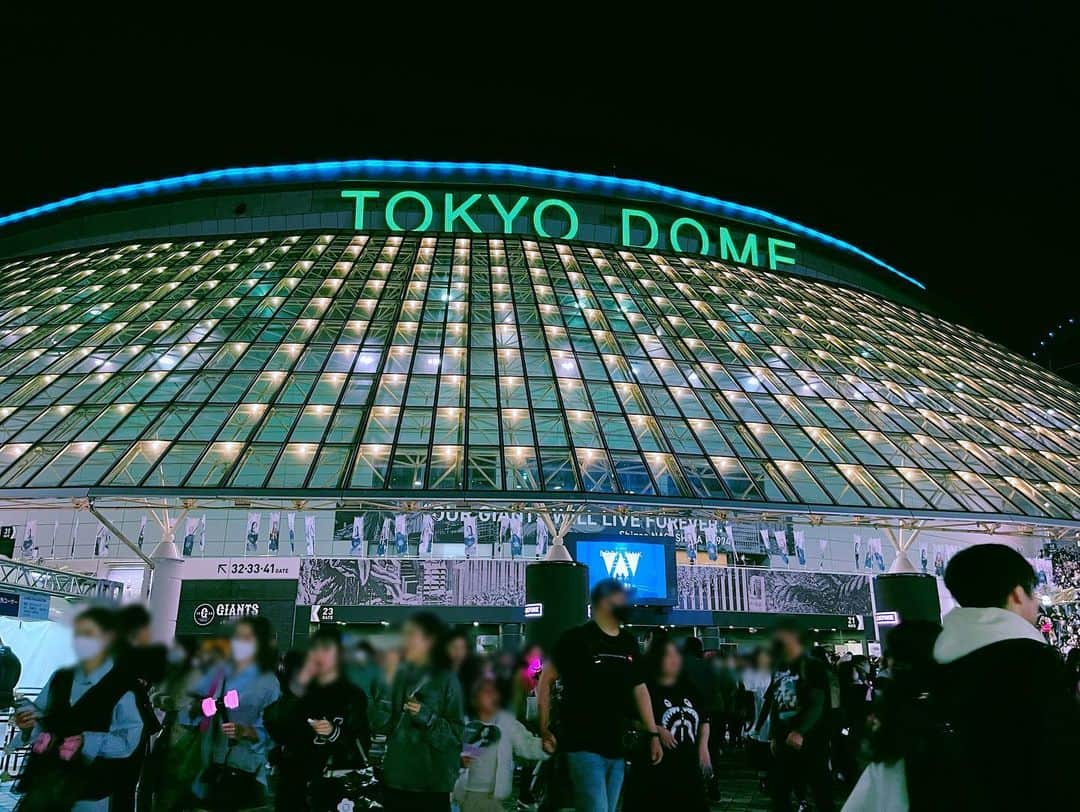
87, 648
242, 650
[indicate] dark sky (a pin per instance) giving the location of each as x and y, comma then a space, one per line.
943, 142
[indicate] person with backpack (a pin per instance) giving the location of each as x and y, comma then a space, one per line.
1006, 691
83, 729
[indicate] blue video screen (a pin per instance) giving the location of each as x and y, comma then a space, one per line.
646, 564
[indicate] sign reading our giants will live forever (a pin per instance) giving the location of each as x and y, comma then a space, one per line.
556, 218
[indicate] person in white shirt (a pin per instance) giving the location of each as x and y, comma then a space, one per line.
493, 739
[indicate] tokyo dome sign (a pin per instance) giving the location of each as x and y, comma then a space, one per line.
556, 218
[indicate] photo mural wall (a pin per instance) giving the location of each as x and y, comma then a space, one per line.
501, 582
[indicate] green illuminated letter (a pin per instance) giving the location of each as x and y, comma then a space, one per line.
408, 194
508, 216
452, 213
694, 224
780, 259
654, 231
358, 212
728, 251
538, 213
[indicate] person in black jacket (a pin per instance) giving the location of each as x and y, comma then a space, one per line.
322, 725
1006, 692
798, 702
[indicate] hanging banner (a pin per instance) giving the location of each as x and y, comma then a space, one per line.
275, 531
202, 535
191, 526
427, 534
142, 531
309, 533
101, 541
800, 546
292, 533
356, 542
254, 520
29, 547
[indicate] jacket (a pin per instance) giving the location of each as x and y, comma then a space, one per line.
1008, 698
423, 752
344, 706
514, 740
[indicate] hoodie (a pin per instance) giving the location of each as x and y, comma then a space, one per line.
1007, 696
969, 628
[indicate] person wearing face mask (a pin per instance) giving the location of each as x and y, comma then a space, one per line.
321, 722
426, 725
598, 666
84, 727
175, 758
236, 693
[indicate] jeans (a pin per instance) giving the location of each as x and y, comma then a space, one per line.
596, 781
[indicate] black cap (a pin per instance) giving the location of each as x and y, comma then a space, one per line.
605, 588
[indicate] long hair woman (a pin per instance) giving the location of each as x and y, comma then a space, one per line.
425, 725
228, 709
678, 781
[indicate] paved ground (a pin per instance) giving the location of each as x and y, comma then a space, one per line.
739, 789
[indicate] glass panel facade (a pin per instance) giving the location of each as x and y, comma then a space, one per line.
373, 362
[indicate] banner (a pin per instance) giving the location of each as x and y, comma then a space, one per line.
191, 526
292, 532
800, 546
690, 541
29, 547
254, 520
356, 542
202, 535
275, 531
712, 549
142, 531
101, 541
542, 538
427, 535
781, 545
309, 533
74, 533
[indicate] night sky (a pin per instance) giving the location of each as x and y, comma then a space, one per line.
944, 143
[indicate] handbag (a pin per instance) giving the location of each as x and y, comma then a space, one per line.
355, 788
232, 788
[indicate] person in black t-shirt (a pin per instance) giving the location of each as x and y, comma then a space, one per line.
797, 702
602, 683
680, 710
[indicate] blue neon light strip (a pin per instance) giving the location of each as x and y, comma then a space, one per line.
452, 170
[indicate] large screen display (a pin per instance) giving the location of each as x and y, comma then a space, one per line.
646, 564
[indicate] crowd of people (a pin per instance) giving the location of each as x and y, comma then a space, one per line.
980, 713
1065, 565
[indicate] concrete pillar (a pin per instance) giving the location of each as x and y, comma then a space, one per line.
164, 604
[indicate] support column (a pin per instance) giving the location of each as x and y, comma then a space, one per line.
900, 596
561, 591
164, 604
